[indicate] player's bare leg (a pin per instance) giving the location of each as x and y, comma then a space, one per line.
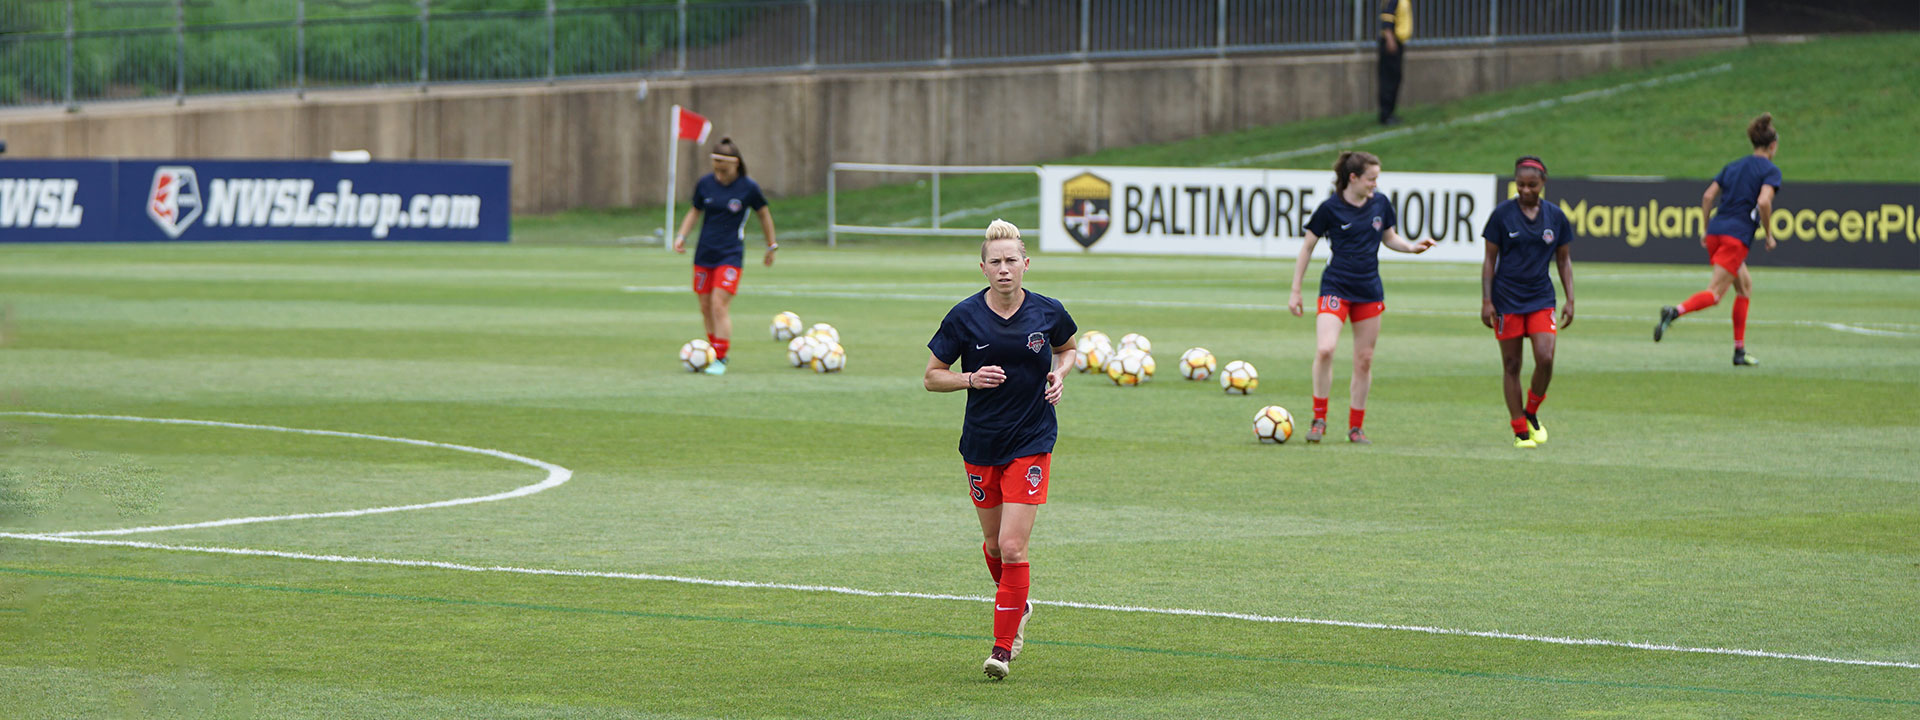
1743, 287
1326, 331
1366, 334
1543, 345
720, 301
1512, 358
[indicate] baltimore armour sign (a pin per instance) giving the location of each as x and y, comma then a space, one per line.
223, 200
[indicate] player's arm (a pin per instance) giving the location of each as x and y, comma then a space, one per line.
686, 226
1391, 238
941, 377
1300, 272
1057, 378
1564, 258
1763, 209
1707, 202
766, 227
1486, 283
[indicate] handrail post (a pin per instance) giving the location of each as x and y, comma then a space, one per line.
1220, 28
813, 34
680, 10
300, 49
1086, 19
179, 52
424, 41
1493, 21
70, 105
832, 209
946, 47
936, 198
552, 50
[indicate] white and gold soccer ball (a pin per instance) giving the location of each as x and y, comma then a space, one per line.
1136, 341
1239, 378
1088, 341
786, 326
1094, 359
1197, 364
802, 350
832, 361
1130, 367
1273, 424
824, 332
697, 354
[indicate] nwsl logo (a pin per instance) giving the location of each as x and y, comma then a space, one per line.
174, 200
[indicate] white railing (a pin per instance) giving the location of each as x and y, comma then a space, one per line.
833, 213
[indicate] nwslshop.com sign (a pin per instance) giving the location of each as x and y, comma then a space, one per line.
226, 200
1815, 224
1251, 213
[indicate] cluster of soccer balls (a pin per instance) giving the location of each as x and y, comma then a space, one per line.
816, 348
1133, 364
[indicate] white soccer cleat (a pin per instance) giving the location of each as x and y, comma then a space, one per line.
1020, 635
996, 665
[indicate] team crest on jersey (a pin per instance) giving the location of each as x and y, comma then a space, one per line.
1086, 199
1378, 222
733, 205
173, 202
1034, 476
1035, 341
1547, 236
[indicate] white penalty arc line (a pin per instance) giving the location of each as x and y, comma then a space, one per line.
1650, 317
556, 475
1247, 617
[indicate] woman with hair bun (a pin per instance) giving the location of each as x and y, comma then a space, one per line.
1744, 190
723, 197
1356, 221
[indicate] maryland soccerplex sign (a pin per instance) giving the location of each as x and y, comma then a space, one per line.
1249, 213
223, 200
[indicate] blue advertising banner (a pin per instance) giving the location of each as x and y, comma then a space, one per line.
231, 200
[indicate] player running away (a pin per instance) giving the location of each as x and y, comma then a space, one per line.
1523, 236
1016, 348
1356, 221
1744, 190
721, 200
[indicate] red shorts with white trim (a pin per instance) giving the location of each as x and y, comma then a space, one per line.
1727, 252
1508, 327
1024, 481
1350, 311
708, 277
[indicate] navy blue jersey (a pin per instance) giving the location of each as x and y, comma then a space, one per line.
1353, 234
1013, 420
1740, 183
724, 209
1521, 283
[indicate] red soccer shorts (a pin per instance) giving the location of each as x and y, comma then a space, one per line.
1024, 481
1350, 311
708, 277
1508, 327
1727, 252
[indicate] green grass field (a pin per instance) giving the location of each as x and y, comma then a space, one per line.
1682, 501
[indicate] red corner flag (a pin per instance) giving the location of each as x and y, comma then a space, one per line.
690, 125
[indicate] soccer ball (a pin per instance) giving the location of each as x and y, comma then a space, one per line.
1273, 424
824, 332
786, 326
802, 351
832, 361
1136, 341
697, 354
1197, 364
1130, 367
1094, 358
1239, 378
1091, 338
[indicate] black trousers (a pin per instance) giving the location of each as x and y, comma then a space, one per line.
1391, 65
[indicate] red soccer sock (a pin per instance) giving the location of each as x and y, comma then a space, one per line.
1520, 428
1533, 402
1356, 416
1740, 322
993, 563
1700, 301
1009, 604
1319, 408
720, 348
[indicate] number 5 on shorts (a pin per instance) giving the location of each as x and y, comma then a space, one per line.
973, 481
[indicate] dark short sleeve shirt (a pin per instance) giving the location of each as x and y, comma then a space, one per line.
1740, 183
724, 211
1521, 281
1013, 420
1354, 235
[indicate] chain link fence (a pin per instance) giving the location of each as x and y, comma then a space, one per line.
67, 52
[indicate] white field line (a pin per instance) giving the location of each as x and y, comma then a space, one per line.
1247, 617
558, 475
1649, 317
1478, 118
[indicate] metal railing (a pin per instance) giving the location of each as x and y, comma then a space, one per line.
74, 51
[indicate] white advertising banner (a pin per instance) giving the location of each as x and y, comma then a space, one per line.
1245, 213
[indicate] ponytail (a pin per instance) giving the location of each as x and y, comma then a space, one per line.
1761, 131
1351, 163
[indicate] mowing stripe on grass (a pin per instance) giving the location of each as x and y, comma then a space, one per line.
1247, 617
541, 607
556, 475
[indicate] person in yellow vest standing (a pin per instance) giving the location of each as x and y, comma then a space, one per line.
1396, 28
